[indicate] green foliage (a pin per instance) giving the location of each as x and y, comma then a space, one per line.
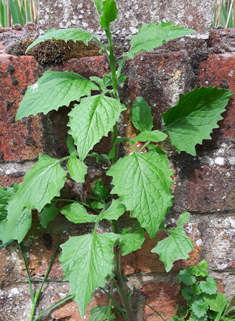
141, 116
99, 114
204, 302
154, 35
48, 214
77, 169
109, 13
195, 115
60, 88
141, 181
86, 261
176, 246
64, 34
101, 313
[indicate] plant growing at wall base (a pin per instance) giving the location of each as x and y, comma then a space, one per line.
141, 181
200, 291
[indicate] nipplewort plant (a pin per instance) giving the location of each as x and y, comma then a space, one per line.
141, 181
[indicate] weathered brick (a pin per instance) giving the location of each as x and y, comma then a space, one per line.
218, 70
162, 297
23, 139
192, 14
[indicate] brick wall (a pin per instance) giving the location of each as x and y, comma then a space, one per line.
204, 185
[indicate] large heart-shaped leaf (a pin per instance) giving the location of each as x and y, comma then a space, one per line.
92, 119
143, 182
86, 261
195, 115
53, 90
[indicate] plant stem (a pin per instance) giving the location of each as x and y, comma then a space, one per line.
117, 268
110, 301
121, 285
22, 248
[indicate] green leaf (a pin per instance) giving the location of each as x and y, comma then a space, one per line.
109, 13
203, 265
217, 301
199, 308
156, 148
92, 119
202, 273
16, 228
100, 82
101, 313
210, 286
53, 90
194, 317
77, 169
176, 246
100, 190
141, 116
41, 183
154, 35
143, 182
194, 117
5, 196
99, 5
131, 242
196, 289
187, 293
76, 213
154, 136
64, 34
97, 205
114, 211
186, 276
71, 146
121, 79
48, 214
86, 260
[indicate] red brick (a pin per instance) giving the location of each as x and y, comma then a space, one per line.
218, 70
210, 189
143, 261
162, 297
69, 311
7, 181
23, 139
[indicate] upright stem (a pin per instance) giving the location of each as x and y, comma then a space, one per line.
120, 283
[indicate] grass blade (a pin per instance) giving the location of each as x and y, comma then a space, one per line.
53, 306
120, 310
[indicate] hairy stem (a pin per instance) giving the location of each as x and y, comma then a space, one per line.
120, 283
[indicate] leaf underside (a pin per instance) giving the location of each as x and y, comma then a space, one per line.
86, 261
194, 117
92, 119
154, 35
176, 246
64, 34
143, 182
53, 90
